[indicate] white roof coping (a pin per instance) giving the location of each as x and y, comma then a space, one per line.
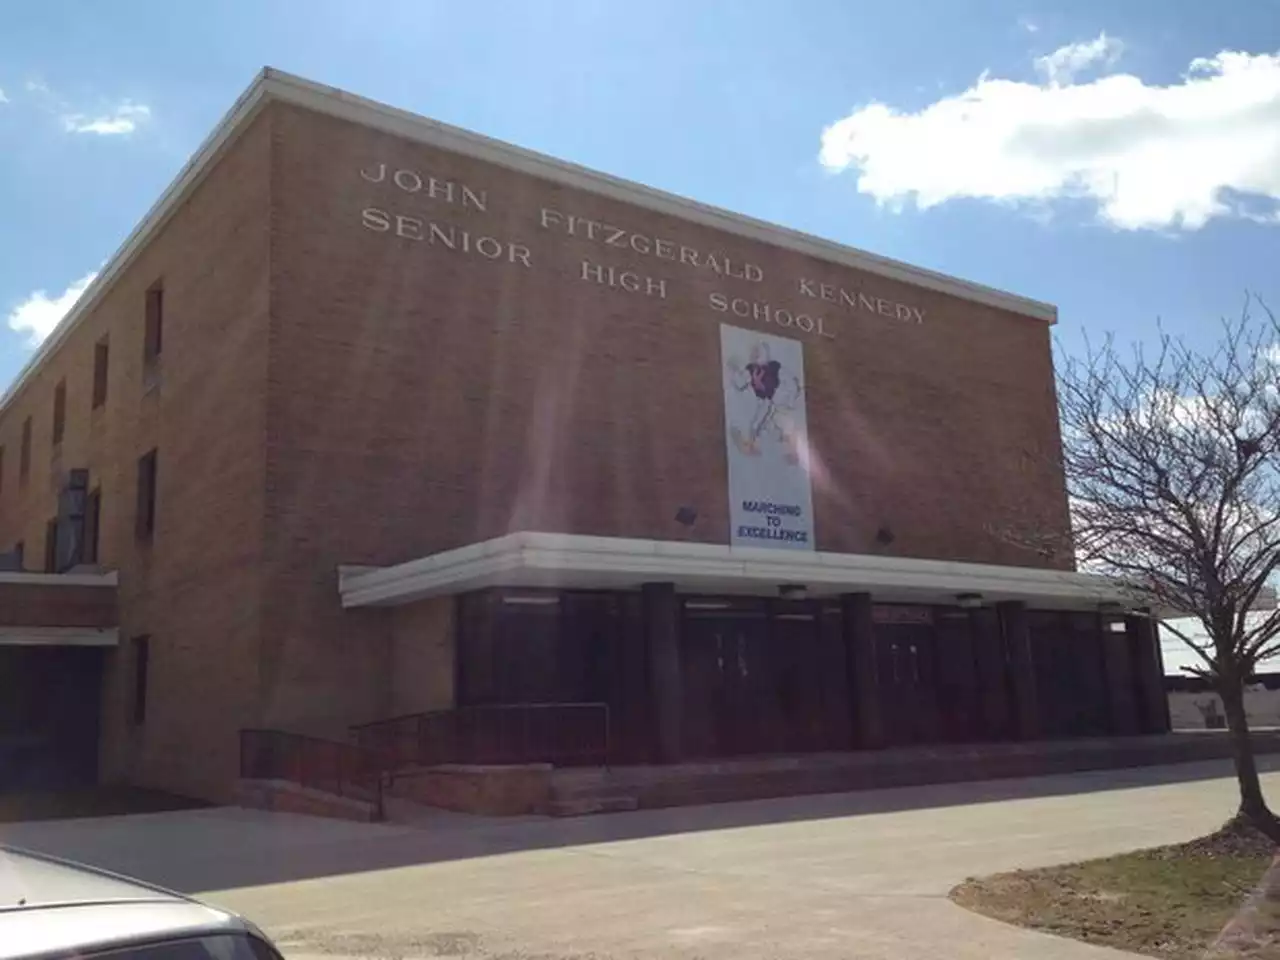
584, 562
59, 637
275, 86
108, 579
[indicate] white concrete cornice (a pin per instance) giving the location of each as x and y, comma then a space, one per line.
59, 637
566, 561
274, 85
108, 579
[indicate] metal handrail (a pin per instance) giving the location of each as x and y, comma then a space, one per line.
565, 734
352, 770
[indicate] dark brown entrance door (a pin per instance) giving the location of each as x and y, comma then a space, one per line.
761, 679
811, 679
727, 707
907, 674
958, 700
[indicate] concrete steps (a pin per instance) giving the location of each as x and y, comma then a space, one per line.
578, 793
535, 790
760, 778
584, 805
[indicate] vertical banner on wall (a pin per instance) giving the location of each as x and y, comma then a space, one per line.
766, 436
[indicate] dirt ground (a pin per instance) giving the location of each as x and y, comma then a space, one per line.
1172, 902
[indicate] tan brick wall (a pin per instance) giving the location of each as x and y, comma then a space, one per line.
195, 588
422, 657
284, 797
331, 395
498, 791
423, 398
57, 605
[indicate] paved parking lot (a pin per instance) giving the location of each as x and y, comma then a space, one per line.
850, 875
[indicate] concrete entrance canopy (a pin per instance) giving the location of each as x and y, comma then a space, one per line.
63, 609
55, 630
59, 637
565, 561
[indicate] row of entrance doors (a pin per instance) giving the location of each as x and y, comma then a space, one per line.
767, 676
755, 682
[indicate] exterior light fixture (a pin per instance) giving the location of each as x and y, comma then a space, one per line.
793, 591
531, 599
968, 601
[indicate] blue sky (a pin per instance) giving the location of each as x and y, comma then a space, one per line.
1119, 160
725, 101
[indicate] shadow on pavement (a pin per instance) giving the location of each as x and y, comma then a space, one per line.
224, 848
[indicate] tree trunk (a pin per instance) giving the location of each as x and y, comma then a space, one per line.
1253, 806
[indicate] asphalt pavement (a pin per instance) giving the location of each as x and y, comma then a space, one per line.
860, 875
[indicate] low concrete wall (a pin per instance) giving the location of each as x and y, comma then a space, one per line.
282, 796
765, 777
1187, 711
491, 790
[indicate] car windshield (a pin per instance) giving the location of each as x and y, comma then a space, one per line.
223, 946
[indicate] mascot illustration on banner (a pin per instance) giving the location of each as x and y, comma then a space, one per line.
778, 394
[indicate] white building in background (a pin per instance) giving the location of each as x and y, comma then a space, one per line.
1197, 710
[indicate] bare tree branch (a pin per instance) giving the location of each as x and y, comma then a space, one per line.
1171, 457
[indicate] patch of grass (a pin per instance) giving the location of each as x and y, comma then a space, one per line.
101, 801
1170, 902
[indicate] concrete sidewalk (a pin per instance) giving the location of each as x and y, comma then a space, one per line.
836, 876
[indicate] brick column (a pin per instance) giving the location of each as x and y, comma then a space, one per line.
662, 641
1153, 702
864, 686
1017, 640
993, 675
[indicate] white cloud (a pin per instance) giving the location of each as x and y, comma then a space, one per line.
123, 119
3, 98
1063, 64
37, 315
1149, 156
1028, 25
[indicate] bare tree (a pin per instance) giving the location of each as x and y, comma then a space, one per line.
1172, 463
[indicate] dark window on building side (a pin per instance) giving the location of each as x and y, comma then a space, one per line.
1, 468
20, 550
59, 411
24, 454
51, 546
146, 518
92, 521
141, 665
101, 354
155, 325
